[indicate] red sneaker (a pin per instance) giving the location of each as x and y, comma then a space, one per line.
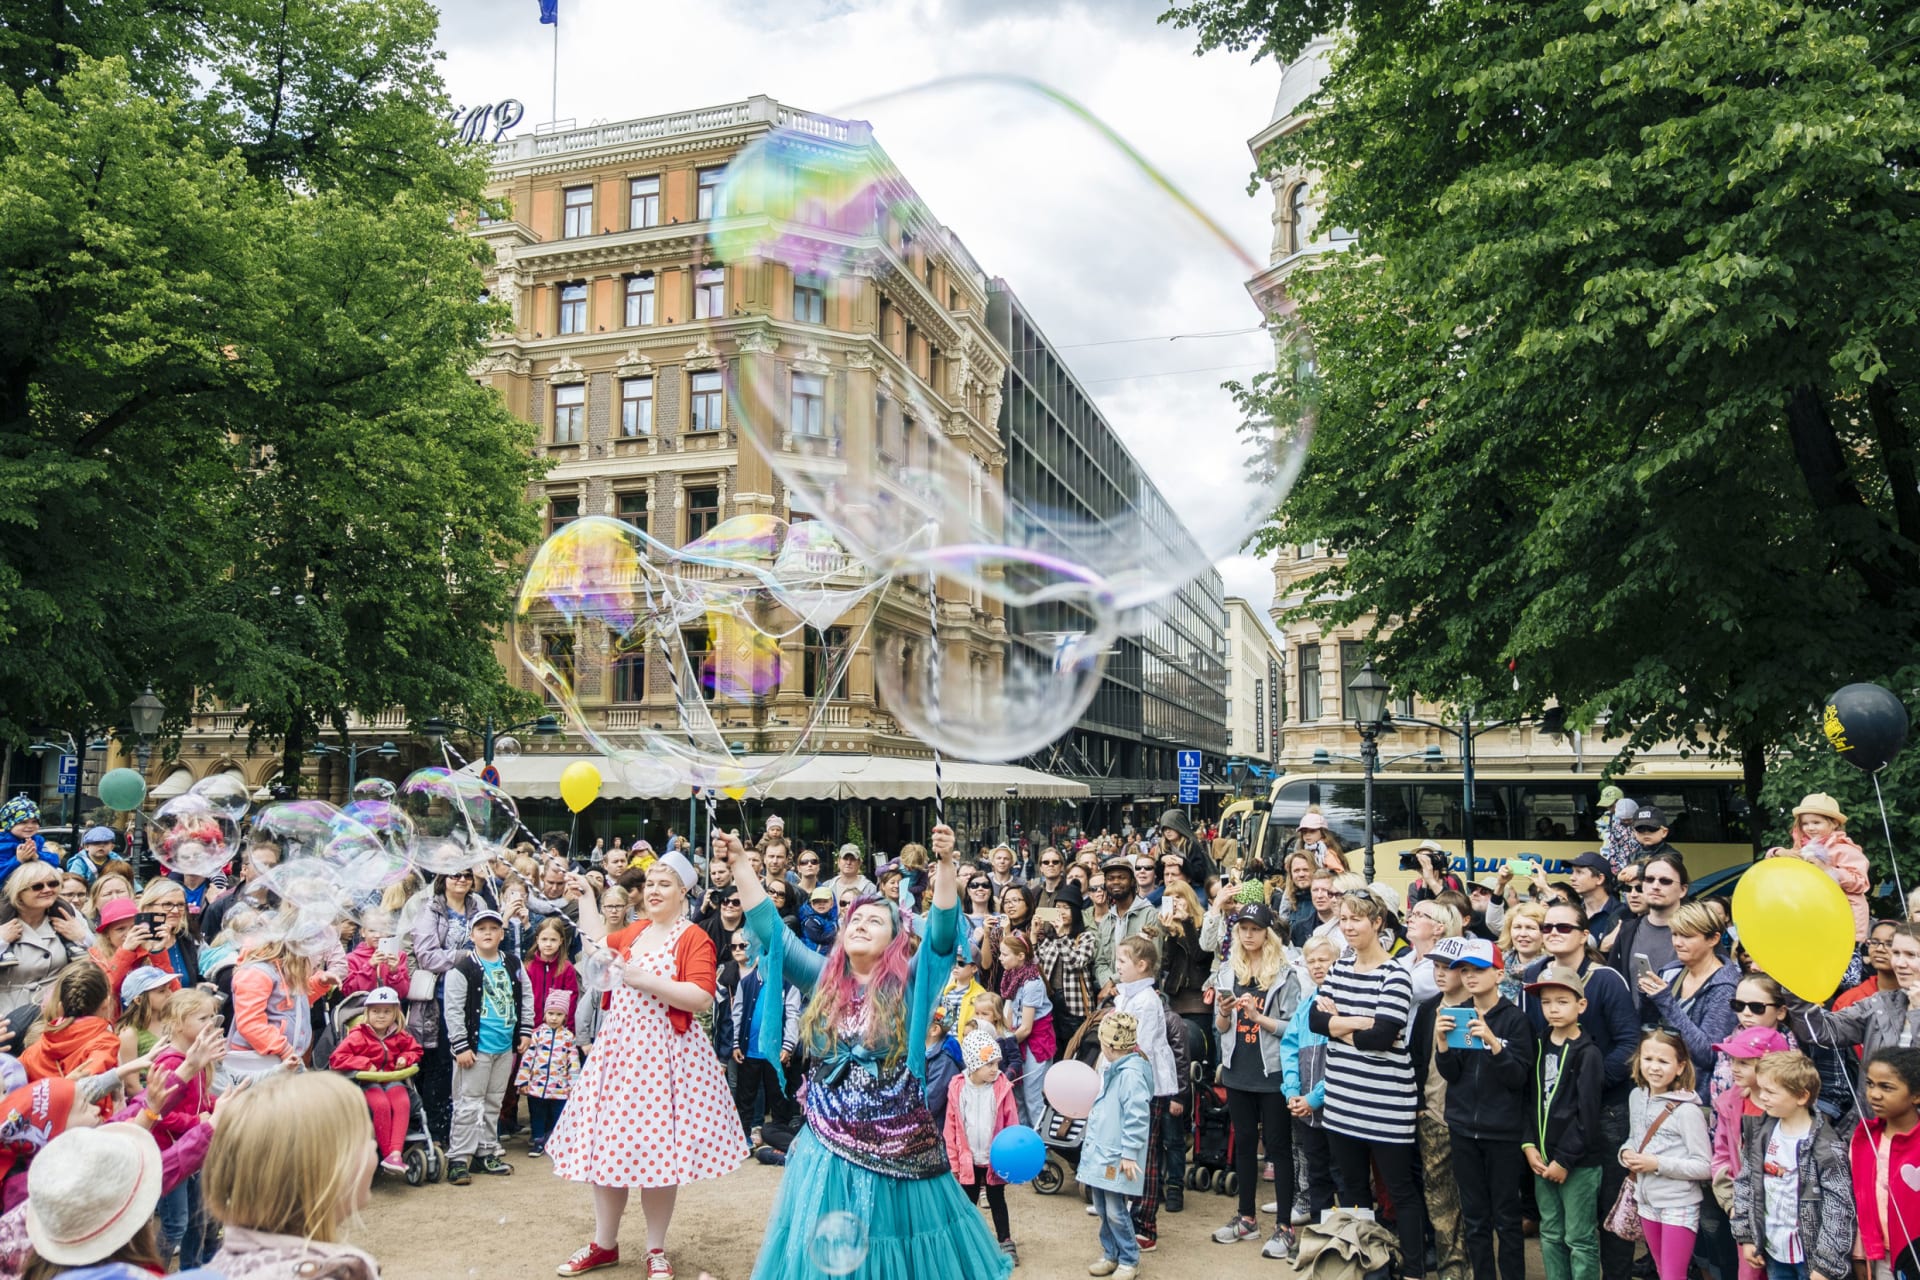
591, 1257
658, 1268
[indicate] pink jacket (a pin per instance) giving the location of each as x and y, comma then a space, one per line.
1881, 1237
1848, 866
192, 1098
364, 973
962, 1157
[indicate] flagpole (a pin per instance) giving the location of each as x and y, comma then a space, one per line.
555, 117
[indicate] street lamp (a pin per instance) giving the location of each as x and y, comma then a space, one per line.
1367, 697
146, 715
439, 727
352, 754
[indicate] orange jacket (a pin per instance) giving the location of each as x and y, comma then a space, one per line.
694, 960
73, 1047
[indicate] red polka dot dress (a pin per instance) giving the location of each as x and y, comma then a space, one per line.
651, 1108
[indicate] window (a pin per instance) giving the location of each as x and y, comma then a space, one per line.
1309, 683
643, 203
558, 648
824, 654
709, 198
639, 300
710, 293
573, 308
636, 407
705, 412
809, 300
1352, 657
1300, 213
697, 644
703, 511
562, 511
630, 677
631, 506
579, 216
809, 405
569, 413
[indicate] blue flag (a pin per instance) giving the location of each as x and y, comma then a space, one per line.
550, 11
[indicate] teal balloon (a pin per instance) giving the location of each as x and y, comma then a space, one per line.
123, 789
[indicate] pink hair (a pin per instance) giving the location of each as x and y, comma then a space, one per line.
878, 1011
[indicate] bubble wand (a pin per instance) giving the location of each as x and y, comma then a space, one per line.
933, 701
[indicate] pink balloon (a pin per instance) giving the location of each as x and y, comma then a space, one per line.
1071, 1088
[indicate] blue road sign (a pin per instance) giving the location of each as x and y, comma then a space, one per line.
1189, 790
69, 775
1189, 761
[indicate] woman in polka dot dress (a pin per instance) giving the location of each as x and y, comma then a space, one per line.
651, 1109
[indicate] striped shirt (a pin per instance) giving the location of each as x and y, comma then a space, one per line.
1370, 1092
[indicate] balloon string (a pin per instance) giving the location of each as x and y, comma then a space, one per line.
1893, 855
933, 667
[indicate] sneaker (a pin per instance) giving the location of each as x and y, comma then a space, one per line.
591, 1257
1176, 1201
535, 1151
1147, 1244
1271, 1206
1094, 1213
1266, 1172
658, 1268
1279, 1244
1104, 1267
457, 1175
1237, 1230
493, 1164
1125, 1273
1302, 1213
1011, 1250
767, 1155
394, 1164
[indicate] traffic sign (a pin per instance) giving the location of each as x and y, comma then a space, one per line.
1189, 789
69, 775
1189, 761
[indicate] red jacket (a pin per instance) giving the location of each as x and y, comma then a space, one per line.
962, 1157
1882, 1240
73, 1047
546, 978
694, 960
364, 1049
364, 973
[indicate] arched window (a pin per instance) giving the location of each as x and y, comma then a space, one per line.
1300, 214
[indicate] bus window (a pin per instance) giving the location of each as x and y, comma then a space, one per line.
1343, 804
1556, 811
1696, 812
1435, 810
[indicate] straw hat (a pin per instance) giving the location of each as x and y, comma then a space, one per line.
89, 1191
1822, 804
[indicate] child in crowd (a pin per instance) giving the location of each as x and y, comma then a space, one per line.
489, 1017
943, 1067
1820, 836
979, 1105
1888, 1203
1136, 963
1736, 1114
1793, 1207
990, 1016
1565, 1145
1667, 1150
380, 1055
76, 1037
1303, 1069
1760, 1002
377, 961
143, 1011
1031, 1014
1114, 1148
184, 1065
757, 1090
1432, 1137
956, 1005
547, 1071
1488, 1083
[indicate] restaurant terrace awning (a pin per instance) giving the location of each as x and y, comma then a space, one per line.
825, 777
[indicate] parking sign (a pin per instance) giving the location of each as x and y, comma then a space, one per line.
69, 775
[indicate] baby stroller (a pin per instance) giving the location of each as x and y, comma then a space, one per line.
1063, 1135
1212, 1165
426, 1162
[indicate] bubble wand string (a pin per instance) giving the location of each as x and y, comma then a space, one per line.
933, 671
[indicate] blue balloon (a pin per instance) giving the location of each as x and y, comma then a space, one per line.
1018, 1154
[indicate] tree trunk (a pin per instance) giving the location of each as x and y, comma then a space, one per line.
1753, 775
292, 749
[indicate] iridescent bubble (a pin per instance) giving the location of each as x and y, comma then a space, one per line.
190, 837
302, 828
443, 802
839, 1243
598, 967
444, 855
227, 793
374, 789
383, 818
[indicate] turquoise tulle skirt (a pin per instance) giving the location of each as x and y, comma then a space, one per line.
833, 1219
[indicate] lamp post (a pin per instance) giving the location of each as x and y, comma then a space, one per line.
439, 727
1367, 696
146, 716
352, 754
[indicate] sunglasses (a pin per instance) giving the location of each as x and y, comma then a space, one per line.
1559, 927
1752, 1006
1659, 880
45, 886
739, 946
809, 862
460, 875
1647, 831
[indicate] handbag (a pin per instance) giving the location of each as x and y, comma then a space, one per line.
1623, 1219
420, 987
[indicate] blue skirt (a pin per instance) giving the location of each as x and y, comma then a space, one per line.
833, 1219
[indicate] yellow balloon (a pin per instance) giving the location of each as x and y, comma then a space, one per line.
1795, 923
579, 785
734, 793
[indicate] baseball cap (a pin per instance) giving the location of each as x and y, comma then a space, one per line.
1556, 975
1649, 815
821, 893
100, 835
382, 995
1477, 953
144, 979
484, 914
1255, 913
1753, 1042
1312, 822
1593, 862
1446, 951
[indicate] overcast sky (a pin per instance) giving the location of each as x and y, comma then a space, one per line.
1095, 249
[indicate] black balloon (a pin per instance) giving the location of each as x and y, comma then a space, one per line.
1866, 724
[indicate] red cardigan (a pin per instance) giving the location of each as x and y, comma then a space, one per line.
694, 960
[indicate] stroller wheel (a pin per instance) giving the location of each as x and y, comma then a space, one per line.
416, 1166
1196, 1177
1230, 1183
1219, 1181
436, 1161
1051, 1178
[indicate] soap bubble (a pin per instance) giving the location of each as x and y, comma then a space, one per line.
839, 1243
598, 967
443, 802
302, 828
444, 855
191, 837
227, 793
371, 789
385, 819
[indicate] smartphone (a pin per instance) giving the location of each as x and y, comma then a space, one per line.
1458, 1037
153, 920
1642, 966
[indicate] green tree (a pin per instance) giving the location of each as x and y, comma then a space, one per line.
240, 454
1617, 386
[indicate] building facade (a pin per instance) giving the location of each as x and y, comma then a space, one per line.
1254, 700
1163, 690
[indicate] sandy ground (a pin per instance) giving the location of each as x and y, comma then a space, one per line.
525, 1225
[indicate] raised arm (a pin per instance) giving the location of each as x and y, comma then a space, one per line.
946, 878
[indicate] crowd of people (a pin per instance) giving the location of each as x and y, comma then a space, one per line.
1591, 1059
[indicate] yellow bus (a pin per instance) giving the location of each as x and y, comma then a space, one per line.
1548, 817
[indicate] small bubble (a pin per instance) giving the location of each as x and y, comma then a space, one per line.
839, 1244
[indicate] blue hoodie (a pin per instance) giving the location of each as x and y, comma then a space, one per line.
10, 852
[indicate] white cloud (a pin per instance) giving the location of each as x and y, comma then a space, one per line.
1095, 249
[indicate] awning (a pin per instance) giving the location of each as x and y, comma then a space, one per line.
175, 784
825, 777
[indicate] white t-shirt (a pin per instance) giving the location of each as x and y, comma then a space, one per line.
1780, 1177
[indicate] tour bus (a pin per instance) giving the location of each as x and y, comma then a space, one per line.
1545, 817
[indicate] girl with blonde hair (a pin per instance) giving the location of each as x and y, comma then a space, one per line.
1256, 995
274, 987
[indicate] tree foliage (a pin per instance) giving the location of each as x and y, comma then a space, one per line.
240, 455
1618, 385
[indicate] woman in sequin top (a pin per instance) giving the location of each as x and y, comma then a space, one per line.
868, 1176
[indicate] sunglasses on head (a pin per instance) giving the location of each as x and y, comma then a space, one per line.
1752, 1006
1559, 926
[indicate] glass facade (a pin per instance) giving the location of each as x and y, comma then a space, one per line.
1165, 688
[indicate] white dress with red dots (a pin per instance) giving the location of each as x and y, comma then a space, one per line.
650, 1108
